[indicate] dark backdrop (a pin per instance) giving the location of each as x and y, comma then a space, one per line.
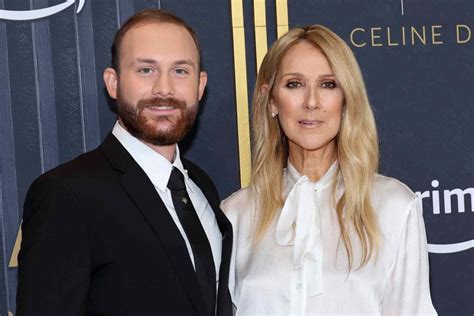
417, 59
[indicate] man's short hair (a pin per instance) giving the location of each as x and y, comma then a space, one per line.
145, 17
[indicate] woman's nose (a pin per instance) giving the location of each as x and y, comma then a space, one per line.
312, 99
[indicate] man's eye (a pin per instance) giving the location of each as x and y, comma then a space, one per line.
293, 84
145, 70
181, 71
329, 84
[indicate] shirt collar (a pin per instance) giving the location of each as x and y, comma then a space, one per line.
157, 168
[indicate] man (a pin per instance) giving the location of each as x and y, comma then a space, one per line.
131, 228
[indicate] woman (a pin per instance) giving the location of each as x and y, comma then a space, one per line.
318, 231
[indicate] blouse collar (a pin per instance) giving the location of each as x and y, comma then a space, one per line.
292, 176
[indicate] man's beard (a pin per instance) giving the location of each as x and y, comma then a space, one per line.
147, 127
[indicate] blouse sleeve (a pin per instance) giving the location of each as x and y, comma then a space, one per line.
232, 277
408, 291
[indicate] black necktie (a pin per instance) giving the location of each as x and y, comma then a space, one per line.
203, 260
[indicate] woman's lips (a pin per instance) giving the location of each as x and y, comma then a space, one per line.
310, 123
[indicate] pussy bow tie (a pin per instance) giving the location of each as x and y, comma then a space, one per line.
299, 225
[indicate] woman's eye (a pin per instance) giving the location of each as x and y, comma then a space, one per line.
293, 84
329, 84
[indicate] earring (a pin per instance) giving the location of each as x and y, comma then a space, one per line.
274, 114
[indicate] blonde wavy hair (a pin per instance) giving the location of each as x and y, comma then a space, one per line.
356, 143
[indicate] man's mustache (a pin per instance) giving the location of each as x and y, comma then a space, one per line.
161, 102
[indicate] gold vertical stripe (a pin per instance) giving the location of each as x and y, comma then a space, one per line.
260, 22
282, 17
16, 249
241, 94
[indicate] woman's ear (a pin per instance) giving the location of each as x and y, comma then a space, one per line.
265, 90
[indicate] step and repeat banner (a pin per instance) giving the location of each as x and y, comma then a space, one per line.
417, 58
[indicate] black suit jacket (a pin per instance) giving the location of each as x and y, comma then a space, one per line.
98, 240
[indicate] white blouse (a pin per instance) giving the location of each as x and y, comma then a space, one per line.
300, 267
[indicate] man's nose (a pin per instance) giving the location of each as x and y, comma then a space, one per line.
163, 86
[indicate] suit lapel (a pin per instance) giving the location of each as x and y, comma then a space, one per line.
224, 305
147, 200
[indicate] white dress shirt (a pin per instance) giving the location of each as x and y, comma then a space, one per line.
158, 169
300, 267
